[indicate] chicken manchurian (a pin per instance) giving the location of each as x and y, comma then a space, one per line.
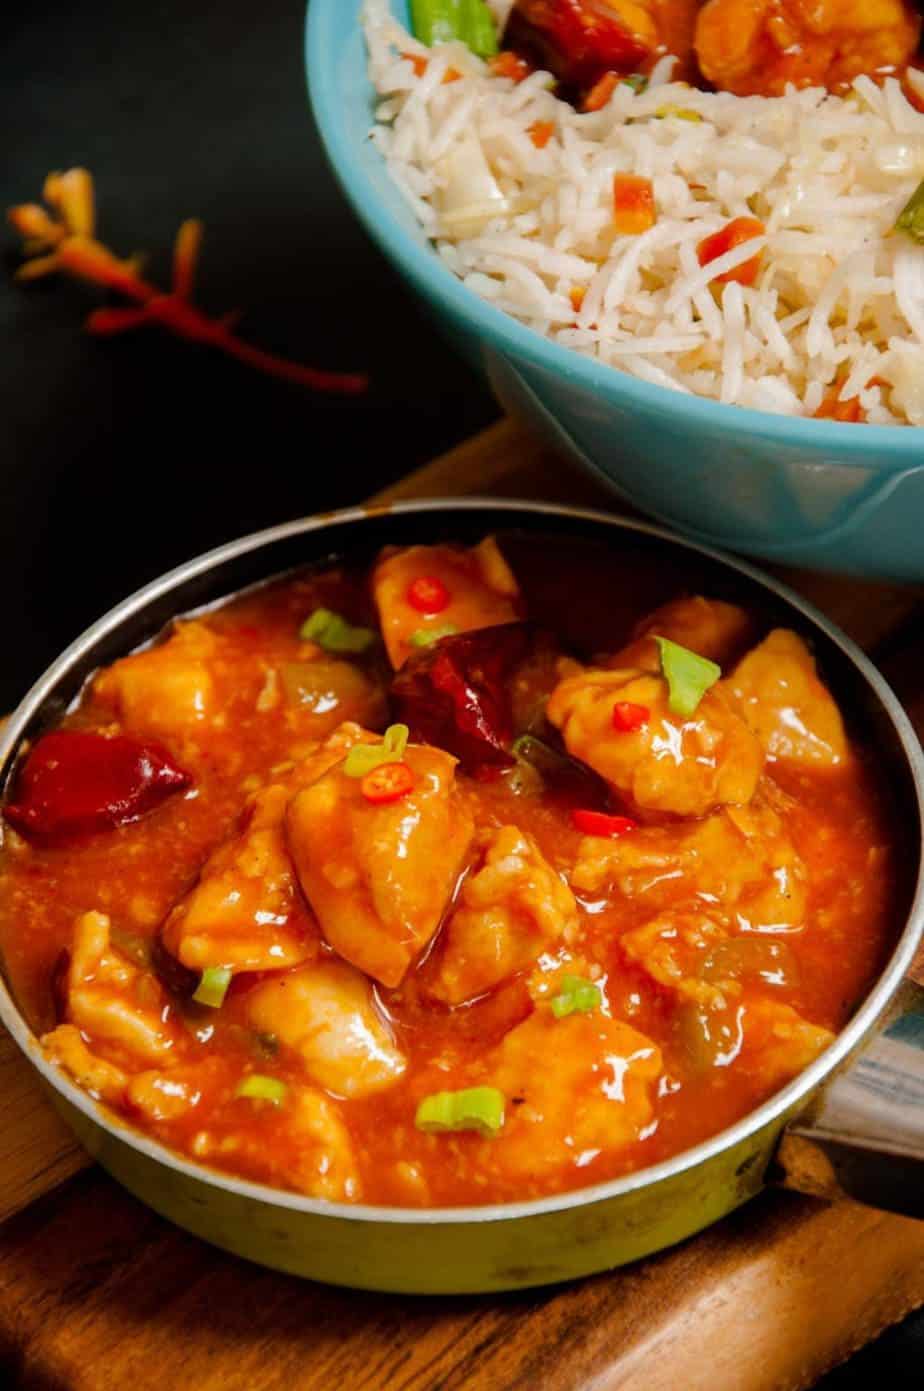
750, 47
475, 874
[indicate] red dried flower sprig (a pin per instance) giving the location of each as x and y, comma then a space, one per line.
63, 241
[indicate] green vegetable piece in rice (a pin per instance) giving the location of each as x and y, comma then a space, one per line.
433, 21
681, 113
481, 35
442, 21
911, 217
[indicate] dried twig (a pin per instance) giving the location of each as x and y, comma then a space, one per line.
63, 241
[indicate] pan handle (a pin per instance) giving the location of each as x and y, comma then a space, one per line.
863, 1135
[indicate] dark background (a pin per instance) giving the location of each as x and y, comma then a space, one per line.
121, 457
124, 457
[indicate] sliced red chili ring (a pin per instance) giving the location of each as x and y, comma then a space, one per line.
387, 783
628, 716
600, 823
428, 594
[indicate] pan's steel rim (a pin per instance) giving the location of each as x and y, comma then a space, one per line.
774, 1111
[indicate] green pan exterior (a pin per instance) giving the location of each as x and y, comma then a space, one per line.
440, 1256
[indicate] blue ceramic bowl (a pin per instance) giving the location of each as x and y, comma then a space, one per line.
807, 492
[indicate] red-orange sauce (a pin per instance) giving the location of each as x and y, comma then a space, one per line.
839, 823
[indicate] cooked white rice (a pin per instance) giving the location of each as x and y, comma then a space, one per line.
836, 297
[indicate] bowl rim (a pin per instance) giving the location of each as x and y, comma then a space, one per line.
773, 1110
893, 447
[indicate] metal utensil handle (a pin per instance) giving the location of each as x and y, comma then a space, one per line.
863, 1137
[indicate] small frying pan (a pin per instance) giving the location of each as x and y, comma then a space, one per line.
852, 1122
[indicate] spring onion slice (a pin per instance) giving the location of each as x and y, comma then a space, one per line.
682, 113
363, 758
688, 676
426, 637
476, 1108
441, 21
395, 739
636, 80
911, 217
577, 996
332, 632
261, 1088
213, 986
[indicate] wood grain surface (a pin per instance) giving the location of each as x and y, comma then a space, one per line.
96, 1292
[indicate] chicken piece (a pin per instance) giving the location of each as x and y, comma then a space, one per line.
686, 766
709, 627
674, 951
380, 876
160, 1096
574, 1088
328, 754
65, 1047
116, 1003
756, 47
778, 692
169, 689
246, 912
582, 40
327, 1013
739, 859
509, 911
767, 1041
301, 1144
779, 1043
435, 588
694, 955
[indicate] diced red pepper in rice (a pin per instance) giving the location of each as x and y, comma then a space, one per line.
420, 64
508, 64
600, 92
541, 132
633, 204
733, 234
833, 408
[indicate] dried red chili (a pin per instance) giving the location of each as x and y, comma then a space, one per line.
74, 782
455, 693
576, 40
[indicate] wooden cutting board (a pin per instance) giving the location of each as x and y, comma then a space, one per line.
96, 1292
